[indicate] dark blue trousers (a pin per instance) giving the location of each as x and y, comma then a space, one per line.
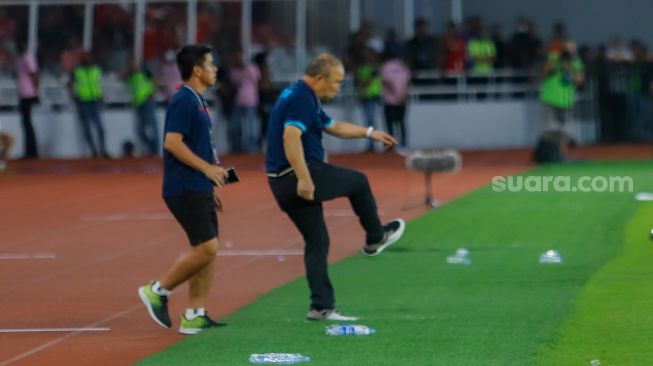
308, 216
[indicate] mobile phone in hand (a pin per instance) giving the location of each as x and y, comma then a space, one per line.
232, 177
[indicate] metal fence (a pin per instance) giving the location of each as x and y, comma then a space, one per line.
119, 29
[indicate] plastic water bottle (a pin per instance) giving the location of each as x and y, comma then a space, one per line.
348, 329
596, 362
278, 358
550, 257
460, 257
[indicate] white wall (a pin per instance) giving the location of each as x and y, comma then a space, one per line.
467, 126
479, 125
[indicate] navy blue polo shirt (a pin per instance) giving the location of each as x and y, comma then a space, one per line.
297, 106
188, 115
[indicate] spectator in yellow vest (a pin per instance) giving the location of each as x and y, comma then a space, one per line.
142, 89
85, 88
561, 75
482, 52
369, 86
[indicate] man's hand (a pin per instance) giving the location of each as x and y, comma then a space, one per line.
216, 174
217, 201
305, 189
383, 137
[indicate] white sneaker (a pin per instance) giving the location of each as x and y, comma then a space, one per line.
329, 314
392, 232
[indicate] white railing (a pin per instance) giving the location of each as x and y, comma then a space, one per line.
429, 85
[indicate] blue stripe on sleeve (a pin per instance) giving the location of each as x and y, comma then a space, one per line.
330, 123
297, 124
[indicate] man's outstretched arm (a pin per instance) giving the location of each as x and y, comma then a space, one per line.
348, 130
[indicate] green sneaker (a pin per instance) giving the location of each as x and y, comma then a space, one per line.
198, 324
156, 305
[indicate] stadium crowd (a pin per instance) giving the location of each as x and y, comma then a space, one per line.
383, 68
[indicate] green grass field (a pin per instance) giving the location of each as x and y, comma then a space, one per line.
504, 309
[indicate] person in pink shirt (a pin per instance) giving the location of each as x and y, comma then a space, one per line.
395, 76
244, 125
27, 78
171, 76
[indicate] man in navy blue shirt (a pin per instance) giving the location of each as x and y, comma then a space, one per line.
300, 179
190, 173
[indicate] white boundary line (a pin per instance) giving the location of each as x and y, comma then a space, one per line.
66, 270
123, 216
152, 216
63, 338
27, 256
39, 330
288, 243
53, 206
260, 253
346, 213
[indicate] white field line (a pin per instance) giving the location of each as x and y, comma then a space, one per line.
63, 338
259, 253
288, 243
9, 256
346, 213
123, 216
42, 330
155, 216
95, 262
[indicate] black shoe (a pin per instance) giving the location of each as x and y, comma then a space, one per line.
392, 232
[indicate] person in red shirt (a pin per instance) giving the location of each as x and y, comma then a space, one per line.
559, 38
454, 50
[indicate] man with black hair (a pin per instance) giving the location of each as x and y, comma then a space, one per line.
422, 49
191, 170
301, 181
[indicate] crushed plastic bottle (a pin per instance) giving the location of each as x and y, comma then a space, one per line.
278, 358
550, 257
460, 257
595, 362
348, 329
462, 252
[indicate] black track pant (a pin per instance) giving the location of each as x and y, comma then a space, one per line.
31, 149
330, 182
